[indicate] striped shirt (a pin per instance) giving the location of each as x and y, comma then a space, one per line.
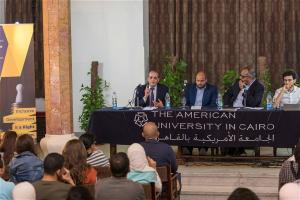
97, 158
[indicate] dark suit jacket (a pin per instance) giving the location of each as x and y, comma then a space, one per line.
161, 152
209, 96
161, 92
253, 95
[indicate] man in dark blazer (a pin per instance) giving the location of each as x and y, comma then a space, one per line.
201, 94
247, 91
152, 93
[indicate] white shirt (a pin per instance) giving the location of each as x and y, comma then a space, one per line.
289, 97
238, 102
154, 92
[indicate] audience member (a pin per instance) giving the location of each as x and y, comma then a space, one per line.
243, 194
75, 160
142, 168
161, 152
290, 169
7, 149
50, 187
6, 187
289, 93
23, 191
95, 157
118, 186
201, 94
26, 166
290, 191
79, 193
152, 93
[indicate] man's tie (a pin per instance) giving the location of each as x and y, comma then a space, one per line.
151, 96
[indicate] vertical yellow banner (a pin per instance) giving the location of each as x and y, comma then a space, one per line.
17, 86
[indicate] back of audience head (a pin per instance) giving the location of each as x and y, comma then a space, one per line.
25, 143
243, 194
75, 157
137, 157
52, 163
88, 140
24, 191
1, 166
7, 146
297, 152
150, 131
290, 191
74, 153
119, 164
79, 193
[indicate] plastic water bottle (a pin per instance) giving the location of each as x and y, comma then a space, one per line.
269, 101
114, 100
168, 101
219, 101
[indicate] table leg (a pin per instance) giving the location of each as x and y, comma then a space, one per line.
113, 149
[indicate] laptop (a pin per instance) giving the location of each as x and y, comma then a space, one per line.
291, 107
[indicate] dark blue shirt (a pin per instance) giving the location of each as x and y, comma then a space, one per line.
161, 152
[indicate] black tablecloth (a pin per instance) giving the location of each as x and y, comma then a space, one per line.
211, 128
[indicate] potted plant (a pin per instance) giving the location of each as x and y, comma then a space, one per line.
92, 99
229, 77
173, 77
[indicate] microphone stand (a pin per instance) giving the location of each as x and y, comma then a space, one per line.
135, 97
245, 97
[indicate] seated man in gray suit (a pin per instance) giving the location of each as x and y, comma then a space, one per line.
118, 186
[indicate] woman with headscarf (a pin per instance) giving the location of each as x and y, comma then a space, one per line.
142, 168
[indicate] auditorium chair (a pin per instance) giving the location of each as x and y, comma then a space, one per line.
149, 189
169, 183
103, 172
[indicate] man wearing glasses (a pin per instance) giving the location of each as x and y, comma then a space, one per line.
288, 93
246, 91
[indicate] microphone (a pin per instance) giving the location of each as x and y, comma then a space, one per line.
245, 87
135, 97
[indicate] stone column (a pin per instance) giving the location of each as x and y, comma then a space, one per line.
58, 75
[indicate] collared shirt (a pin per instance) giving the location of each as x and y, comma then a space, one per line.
289, 97
238, 102
199, 96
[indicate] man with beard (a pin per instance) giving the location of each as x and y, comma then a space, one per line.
201, 94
